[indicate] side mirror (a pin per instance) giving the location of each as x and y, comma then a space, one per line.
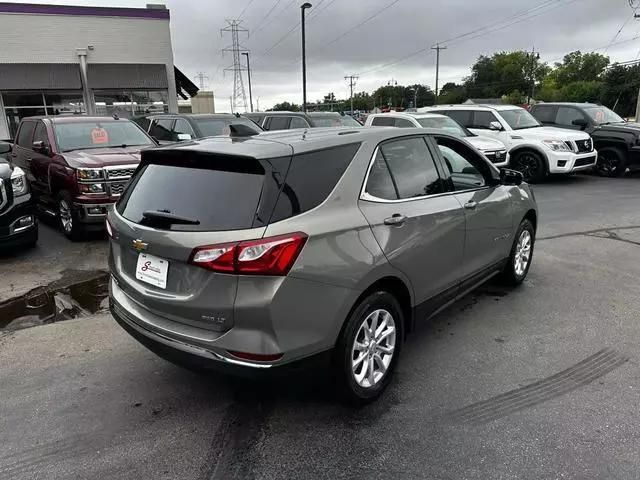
5, 148
182, 137
40, 147
510, 177
495, 126
580, 122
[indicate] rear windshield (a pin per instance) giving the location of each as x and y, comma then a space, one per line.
96, 134
210, 127
223, 196
334, 121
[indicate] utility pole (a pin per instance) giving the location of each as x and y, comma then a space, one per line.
352, 83
202, 80
437, 48
246, 54
304, 7
532, 80
239, 97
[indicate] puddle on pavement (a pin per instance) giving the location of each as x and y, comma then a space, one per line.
56, 302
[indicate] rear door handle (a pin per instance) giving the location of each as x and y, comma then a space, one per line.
471, 205
395, 219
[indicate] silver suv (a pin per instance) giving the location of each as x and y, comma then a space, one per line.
258, 252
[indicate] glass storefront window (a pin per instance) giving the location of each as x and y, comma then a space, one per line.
14, 115
128, 103
59, 103
22, 99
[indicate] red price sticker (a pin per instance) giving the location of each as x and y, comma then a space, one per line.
99, 136
600, 116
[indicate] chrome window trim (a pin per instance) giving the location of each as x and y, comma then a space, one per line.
367, 197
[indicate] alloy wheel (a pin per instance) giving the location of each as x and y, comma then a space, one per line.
523, 253
66, 217
528, 165
373, 348
608, 164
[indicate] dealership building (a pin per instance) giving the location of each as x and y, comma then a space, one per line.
58, 59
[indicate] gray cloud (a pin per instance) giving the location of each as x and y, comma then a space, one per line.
557, 27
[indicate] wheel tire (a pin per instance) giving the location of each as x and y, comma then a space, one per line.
612, 162
530, 164
68, 218
512, 274
354, 330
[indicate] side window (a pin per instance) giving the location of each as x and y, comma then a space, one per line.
411, 167
161, 129
40, 134
483, 119
466, 168
182, 127
463, 117
297, 122
383, 122
566, 116
546, 114
278, 123
25, 135
380, 184
403, 123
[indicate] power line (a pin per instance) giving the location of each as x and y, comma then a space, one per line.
264, 19
615, 37
265, 24
245, 9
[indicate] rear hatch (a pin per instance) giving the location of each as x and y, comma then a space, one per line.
196, 199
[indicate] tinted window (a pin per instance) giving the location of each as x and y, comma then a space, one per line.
466, 168
463, 117
311, 178
297, 122
383, 122
602, 115
144, 122
380, 183
25, 135
545, 113
334, 121
404, 123
97, 134
519, 119
412, 168
566, 116
182, 126
161, 130
278, 123
211, 127
206, 191
40, 134
483, 119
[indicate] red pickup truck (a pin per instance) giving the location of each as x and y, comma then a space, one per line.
78, 166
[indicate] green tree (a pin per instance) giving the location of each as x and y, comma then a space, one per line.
418, 95
285, 106
452, 93
579, 67
620, 85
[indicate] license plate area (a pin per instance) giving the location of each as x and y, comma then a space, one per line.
152, 270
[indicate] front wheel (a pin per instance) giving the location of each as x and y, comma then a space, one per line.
530, 164
521, 254
68, 217
369, 346
612, 162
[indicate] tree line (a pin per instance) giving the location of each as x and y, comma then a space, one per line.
515, 77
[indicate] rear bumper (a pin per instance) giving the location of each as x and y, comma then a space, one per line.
569, 162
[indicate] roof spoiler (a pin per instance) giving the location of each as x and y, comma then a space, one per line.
241, 130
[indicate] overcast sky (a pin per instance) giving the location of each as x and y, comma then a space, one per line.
553, 27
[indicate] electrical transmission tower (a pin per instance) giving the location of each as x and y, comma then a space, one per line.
239, 97
203, 80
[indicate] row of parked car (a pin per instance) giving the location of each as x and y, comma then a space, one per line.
76, 167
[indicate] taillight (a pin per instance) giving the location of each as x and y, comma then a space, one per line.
267, 256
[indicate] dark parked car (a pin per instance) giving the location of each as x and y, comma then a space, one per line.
78, 166
170, 128
18, 223
616, 140
291, 120
328, 241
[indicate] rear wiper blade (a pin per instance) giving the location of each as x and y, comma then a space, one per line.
165, 216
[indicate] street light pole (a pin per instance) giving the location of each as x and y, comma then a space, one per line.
303, 7
246, 54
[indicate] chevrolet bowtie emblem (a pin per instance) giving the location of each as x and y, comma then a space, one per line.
139, 245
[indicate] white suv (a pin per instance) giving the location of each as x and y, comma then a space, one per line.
494, 150
534, 150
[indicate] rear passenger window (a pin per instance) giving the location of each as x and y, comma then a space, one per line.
545, 114
311, 178
483, 120
383, 122
411, 168
278, 123
26, 134
463, 117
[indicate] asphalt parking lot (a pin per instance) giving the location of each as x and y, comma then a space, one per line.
537, 382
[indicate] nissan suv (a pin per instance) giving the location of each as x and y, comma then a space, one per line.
617, 141
257, 252
493, 149
535, 150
